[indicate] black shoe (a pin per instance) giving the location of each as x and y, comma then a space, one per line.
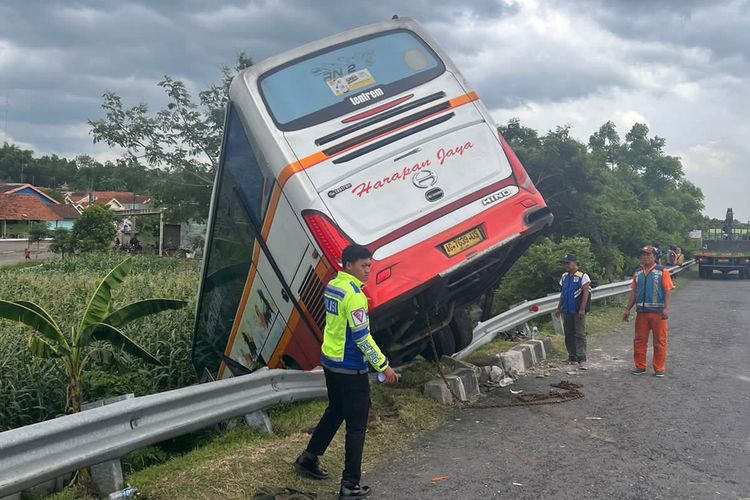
353, 492
308, 465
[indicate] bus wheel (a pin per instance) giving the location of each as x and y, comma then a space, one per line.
445, 344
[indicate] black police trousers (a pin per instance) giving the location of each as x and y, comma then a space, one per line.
348, 401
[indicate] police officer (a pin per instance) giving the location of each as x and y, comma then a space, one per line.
347, 348
575, 302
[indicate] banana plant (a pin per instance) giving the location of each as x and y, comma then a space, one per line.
100, 323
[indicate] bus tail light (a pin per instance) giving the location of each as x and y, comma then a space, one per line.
522, 177
331, 240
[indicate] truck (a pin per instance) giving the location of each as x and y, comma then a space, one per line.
725, 249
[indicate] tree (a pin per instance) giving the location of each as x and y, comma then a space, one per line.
100, 322
62, 242
37, 232
184, 139
95, 230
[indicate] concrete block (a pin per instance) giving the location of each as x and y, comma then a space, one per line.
456, 385
469, 380
14, 496
494, 360
437, 390
513, 361
259, 421
539, 351
526, 353
452, 364
547, 345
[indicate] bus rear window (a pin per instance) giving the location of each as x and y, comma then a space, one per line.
342, 78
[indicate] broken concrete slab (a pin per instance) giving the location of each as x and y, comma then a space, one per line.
437, 390
494, 360
453, 364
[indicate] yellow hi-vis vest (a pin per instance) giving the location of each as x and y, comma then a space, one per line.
347, 343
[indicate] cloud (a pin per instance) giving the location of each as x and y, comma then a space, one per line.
681, 66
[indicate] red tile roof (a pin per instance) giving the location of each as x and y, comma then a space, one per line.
65, 211
104, 197
12, 188
18, 207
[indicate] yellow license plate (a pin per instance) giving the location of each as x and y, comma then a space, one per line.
461, 243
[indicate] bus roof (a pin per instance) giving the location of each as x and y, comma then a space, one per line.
252, 73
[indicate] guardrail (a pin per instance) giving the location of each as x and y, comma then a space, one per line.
486, 331
33, 454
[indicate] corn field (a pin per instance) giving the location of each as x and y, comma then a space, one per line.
33, 390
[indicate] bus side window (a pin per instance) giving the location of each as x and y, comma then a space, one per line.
252, 180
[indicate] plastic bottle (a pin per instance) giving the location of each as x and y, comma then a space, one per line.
534, 332
128, 492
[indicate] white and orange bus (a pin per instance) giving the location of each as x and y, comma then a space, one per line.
371, 137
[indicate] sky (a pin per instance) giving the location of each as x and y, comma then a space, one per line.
680, 66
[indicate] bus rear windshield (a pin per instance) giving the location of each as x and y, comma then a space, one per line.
343, 78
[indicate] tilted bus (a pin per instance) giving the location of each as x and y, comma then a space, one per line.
373, 137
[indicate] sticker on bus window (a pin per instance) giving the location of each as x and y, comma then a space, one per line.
351, 82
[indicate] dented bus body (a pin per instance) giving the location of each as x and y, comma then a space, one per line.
372, 137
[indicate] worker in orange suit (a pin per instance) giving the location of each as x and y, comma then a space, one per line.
650, 292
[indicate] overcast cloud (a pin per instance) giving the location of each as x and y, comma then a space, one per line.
680, 66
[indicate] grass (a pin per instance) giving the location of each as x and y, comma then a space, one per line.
239, 462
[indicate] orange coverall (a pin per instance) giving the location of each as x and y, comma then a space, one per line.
651, 321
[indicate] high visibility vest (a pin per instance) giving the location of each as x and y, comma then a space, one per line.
347, 343
572, 293
649, 293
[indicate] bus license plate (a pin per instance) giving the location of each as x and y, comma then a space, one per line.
461, 243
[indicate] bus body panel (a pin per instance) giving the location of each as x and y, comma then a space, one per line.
434, 192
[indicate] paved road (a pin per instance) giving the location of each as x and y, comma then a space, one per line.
684, 436
11, 252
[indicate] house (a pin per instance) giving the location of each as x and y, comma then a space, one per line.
114, 200
19, 188
69, 214
17, 211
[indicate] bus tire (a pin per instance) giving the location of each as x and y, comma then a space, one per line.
445, 345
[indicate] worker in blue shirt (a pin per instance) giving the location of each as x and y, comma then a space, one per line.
575, 302
348, 348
